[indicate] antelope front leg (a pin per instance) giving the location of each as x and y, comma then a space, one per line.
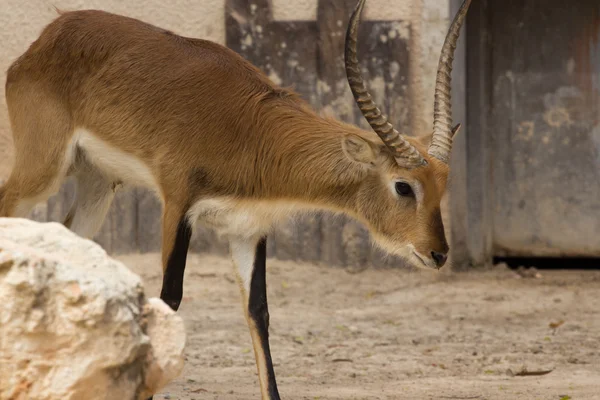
249, 256
176, 234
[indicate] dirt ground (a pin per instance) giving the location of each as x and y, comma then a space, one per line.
390, 334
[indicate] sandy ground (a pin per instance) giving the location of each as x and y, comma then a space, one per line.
390, 334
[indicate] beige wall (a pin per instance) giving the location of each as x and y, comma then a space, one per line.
21, 21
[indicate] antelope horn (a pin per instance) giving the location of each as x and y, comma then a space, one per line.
406, 154
441, 142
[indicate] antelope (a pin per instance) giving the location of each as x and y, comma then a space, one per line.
111, 101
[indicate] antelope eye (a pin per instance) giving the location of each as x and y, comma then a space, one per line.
404, 189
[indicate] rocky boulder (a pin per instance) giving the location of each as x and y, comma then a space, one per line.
75, 324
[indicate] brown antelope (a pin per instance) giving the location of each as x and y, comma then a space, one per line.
111, 100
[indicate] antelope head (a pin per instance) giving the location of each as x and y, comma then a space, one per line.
400, 198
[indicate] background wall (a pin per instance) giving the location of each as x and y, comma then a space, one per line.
529, 181
297, 42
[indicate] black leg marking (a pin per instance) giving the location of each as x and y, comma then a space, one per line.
259, 310
172, 287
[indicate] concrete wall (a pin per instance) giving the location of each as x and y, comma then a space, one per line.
21, 21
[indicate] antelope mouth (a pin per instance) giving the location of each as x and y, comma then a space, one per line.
418, 257
423, 261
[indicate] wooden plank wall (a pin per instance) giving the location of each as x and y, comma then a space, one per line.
307, 55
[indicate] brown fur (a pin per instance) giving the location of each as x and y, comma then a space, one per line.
206, 123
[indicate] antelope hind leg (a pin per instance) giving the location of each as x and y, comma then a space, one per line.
249, 257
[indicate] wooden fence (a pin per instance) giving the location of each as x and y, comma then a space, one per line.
307, 55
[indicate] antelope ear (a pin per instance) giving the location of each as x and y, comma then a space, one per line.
455, 130
360, 150
425, 140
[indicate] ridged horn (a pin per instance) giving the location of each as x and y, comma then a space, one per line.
406, 154
441, 142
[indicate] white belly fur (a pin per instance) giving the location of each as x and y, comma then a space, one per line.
241, 218
228, 216
115, 163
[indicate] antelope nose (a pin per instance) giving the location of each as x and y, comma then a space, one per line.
439, 258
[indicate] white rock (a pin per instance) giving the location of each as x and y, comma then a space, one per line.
75, 324
167, 332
